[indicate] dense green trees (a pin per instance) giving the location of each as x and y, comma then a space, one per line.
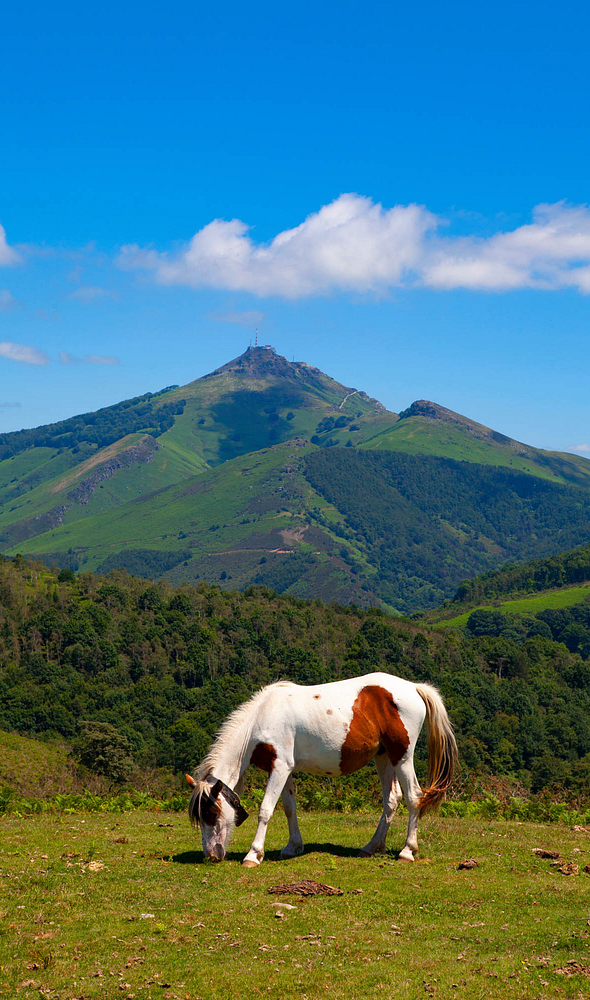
537, 575
126, 670
99, 429
570, 626
424, 521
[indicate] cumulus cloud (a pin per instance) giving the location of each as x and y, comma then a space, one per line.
8, 256
580, 449
351, 244
22, 352
249, 318
355, 245
90, 359
7, 300
89, 293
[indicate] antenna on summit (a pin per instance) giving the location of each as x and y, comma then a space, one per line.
256, 341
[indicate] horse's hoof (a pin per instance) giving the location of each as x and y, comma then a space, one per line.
365, 854
401, 858
250, 864
290, 853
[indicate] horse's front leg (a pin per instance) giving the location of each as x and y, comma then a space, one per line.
274, 787
295, 845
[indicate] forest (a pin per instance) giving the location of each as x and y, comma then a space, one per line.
423, 521
570, 626
536, 575
146, 673
98, 429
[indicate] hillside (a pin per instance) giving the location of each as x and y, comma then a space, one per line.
155, 670
269, 471
96, 462
426, 428
548, 597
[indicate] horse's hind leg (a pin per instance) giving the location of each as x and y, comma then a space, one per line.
412, 791
295, 845
391, 797
274, 787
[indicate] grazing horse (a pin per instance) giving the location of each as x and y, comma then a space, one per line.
327, 729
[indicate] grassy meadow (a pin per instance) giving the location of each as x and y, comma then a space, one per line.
102, 905
564, 597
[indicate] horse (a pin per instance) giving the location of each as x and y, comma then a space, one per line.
328, 729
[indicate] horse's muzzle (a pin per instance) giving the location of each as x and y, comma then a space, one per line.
217, 853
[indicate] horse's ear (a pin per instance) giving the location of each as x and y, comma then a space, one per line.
190, 781
216, 788
241, 815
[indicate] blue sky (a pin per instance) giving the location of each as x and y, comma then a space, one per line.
411, 148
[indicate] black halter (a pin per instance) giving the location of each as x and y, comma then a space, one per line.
231, 797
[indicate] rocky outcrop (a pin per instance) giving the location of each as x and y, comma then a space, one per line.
142, 452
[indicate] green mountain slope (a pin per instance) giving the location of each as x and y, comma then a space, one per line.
94, 463
426, 428
271, 472
247, 520
341, 523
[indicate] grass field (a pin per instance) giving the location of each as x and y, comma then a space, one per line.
103, 906
565, 597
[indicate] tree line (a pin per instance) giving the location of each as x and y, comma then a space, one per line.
150, 672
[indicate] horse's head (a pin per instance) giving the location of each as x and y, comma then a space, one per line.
216, 809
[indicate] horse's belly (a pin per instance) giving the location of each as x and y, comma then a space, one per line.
315, 756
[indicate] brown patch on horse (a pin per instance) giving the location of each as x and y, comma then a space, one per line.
264, 757
375, 721
329, 712
317, 696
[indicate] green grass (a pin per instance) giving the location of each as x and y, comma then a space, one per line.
104, 906
565, 597
419, 435
32, 768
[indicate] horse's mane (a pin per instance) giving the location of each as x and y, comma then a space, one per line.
235, 730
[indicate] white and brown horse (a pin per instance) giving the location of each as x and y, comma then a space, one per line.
327, 729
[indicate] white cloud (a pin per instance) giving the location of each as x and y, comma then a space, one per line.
89, 293
89, 359
355, 245
351, 244
8, 256
249, 318
7, 300
22, 352
10, 406
552, 252
581, 449
98, 359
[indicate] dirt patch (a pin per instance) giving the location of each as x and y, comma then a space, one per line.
294, 534
102, 457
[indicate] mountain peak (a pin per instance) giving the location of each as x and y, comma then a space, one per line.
257, 362
434, 411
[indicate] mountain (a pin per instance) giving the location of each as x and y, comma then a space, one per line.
426, 428
95, 462
269, 471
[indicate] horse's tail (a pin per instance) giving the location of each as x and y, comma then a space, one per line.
442, 748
